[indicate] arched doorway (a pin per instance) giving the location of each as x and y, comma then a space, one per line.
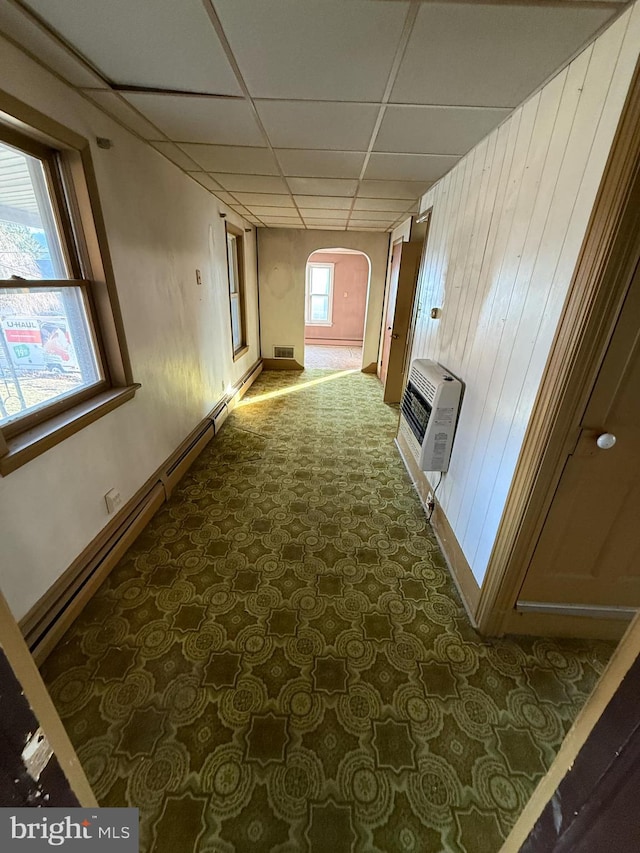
336, 297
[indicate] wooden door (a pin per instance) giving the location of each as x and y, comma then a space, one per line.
394, 273
588, 552
405, 261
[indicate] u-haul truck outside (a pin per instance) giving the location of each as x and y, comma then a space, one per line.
37, 343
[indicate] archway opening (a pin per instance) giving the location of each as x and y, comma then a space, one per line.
335, 308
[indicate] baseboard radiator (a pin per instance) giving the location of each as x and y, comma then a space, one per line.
51, 616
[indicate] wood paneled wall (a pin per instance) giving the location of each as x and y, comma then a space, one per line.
506, 231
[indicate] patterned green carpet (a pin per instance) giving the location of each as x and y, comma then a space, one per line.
281, 662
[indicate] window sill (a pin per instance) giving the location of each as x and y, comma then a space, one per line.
242, 351
326, 323
26, 446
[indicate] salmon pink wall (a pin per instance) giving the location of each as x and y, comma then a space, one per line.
350, 281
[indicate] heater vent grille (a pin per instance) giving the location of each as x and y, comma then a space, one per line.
283, 352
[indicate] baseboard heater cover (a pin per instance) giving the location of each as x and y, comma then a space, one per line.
593, 611
219, 417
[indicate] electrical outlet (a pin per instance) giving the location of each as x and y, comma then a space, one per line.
431, 502
113, 500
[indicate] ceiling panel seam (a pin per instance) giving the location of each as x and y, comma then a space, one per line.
410, 19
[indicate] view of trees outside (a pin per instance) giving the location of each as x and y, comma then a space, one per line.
38, 327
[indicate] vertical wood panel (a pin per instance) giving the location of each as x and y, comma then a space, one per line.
624, 42
506, 230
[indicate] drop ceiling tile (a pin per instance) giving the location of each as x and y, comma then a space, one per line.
393, 189
320, 164
229, 158
298, 227
318, 124
376, 215
239, 208
163, 44
327, 49
324, 226
371, 223
170, 150
489, 55
323, 202
379, 228
388, 204
280, 217
120, 109
286, 223
261, 210
205, 179
269, 199
27, 31
227, 198
327, 223
185, 118
251, 183
335, 215
408, 167
435, 130
322, 186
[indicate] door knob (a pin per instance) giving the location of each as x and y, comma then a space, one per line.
606, 441
395, 337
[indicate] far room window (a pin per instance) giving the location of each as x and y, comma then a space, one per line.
49, 351
235, 261
319, 297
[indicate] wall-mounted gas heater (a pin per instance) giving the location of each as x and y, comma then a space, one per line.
428, 414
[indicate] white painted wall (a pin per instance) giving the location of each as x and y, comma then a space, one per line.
282, 262
507, 226
161, 227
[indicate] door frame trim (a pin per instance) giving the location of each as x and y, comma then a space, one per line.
605, 268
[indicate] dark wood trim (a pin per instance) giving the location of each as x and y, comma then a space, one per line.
603, 273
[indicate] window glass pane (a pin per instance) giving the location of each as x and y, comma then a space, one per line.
319, 308
236, 322
47, 349
232, 253
29, 242
320, 279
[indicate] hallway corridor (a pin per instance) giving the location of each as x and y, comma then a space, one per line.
282, 663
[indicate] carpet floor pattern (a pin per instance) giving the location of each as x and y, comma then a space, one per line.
282, 662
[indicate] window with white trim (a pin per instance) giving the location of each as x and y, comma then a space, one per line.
319, 294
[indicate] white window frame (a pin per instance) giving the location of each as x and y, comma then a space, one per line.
307, 309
